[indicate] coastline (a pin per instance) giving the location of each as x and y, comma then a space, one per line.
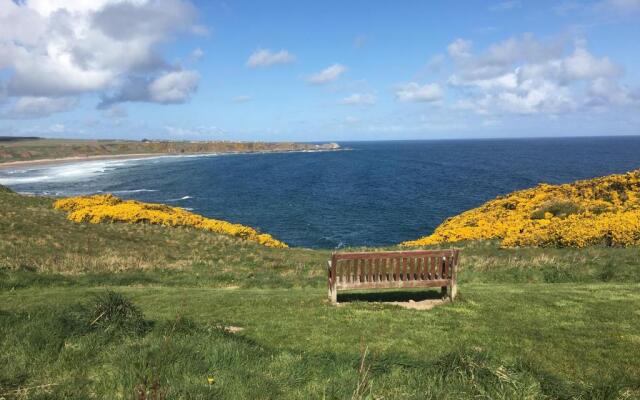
55, 161
45, 162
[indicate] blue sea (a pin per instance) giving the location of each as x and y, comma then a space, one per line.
373, 194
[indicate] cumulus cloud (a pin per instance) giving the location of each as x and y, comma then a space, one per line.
603, 92
327, 75
414, 92
267, 58
38, 107
526, 76
359, 99
65, 48
173, 87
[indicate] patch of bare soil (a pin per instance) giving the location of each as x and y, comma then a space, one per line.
419, 305
233, 329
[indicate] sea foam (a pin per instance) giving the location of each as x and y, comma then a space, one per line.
58, 173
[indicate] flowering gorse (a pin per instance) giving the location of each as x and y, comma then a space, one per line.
109, 208
603, 210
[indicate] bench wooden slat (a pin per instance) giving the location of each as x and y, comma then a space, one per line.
376, 270
437, 261
445, 269
432, 268
388, 272
353, 270
393, 285
414, 269
383, 254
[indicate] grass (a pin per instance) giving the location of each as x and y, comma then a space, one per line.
176, 306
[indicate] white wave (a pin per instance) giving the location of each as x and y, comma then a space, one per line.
181, 198
132, 191
17, 181
58, 173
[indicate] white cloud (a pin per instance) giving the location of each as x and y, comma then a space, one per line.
197, 132
197, 54
525, 76
38, 107
583, 65
242, 99
359, 99
414, 92
435, 62
532, 98
506, 81
602, 92
267, 58
171, 87
116, 112
459, 48
174, 87
57, 128
327, 75
66, 48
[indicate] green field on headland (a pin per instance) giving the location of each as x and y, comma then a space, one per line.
534, 323
46, 149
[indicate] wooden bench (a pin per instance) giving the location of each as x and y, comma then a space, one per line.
393, 269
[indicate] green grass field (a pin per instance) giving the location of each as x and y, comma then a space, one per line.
528, 323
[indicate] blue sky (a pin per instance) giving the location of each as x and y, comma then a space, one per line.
318, 71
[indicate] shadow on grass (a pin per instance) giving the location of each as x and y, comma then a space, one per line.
390, 295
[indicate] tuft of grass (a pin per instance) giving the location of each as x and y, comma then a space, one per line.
113, 313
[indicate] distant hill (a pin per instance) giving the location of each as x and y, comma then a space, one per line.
28, 149
17, 138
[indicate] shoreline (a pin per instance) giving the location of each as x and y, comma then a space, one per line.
55, 161
11, 165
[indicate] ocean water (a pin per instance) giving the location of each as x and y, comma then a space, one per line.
376, 193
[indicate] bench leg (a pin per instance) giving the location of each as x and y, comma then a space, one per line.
453, 290
333, 295
443, 291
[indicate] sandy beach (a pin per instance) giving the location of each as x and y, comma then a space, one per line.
56, 161
69, 160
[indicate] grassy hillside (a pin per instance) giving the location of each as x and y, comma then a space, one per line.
188, 305
27, 150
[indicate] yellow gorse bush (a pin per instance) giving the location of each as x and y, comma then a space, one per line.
603, 210
108, 208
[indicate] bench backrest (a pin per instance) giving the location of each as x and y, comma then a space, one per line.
355, 269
